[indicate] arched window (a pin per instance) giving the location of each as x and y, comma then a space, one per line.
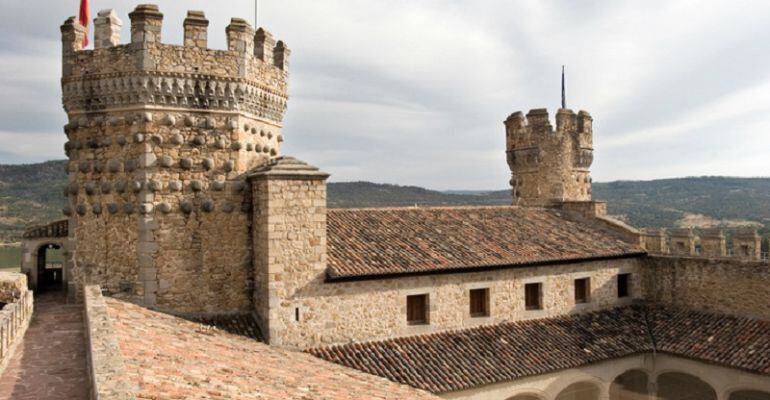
681, 386
749, 395
631, 385
579, 391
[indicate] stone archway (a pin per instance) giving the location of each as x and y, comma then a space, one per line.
630, 385
580, 391
749, 395
50, 267
682, 386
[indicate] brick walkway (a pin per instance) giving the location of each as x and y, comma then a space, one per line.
50, 363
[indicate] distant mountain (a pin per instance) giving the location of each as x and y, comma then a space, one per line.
32, 194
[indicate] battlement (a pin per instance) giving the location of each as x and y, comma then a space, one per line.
249, 77
746, 243
549, 166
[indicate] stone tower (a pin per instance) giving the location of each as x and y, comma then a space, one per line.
549, 167
160, 139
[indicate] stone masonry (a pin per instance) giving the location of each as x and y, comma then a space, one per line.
160, 137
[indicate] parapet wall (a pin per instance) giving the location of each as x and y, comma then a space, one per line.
710, 243
549, 166
729, 286
15, 314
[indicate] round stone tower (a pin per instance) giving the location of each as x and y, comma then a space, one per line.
160, 138
549, 167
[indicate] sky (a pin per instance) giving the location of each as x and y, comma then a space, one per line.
415, 92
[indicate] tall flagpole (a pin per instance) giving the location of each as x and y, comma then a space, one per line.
563, 90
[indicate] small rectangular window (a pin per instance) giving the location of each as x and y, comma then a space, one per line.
582, 290
533, 296
417, 309
479, 302
624, 281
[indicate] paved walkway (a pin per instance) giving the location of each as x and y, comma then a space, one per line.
50, 363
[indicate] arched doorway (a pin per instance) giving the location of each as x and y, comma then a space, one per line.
50, 268
749, 395
681, 386
579, 391
631, 385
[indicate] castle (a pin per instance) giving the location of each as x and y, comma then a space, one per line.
180, 200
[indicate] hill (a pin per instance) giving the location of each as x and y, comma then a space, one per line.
32, 194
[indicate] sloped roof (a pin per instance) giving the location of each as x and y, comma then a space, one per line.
463, 359
393, 241
167, 357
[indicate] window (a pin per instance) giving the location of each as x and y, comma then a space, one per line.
479, 302
582, 290
624, 281
417, 309
533, 296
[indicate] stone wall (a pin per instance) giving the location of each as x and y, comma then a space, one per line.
727, 286
160, 138
105, 364
375, 309
549, 166
15, 315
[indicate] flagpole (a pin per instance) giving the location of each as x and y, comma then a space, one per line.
563, 90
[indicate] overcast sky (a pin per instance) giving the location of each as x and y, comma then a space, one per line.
415, 92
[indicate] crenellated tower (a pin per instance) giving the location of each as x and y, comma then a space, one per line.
160, 138
549, 166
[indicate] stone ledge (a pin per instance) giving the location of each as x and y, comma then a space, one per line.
105, 364
15, 315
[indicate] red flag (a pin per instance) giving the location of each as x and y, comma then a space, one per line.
85, 15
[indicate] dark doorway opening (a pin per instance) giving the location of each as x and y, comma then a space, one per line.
50, 268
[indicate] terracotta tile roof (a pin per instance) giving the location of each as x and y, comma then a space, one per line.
367, 242
463, 359
167, 357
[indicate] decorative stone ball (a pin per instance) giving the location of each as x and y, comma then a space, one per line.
106, 187
146, 208
233, 124
73, 188
96, 208
258, 148
128, 208
208, 163
236, 146
207, 205
68, 146
113, 208
221, 144
146, 117
246, 127
280, 138
273, 152
92, 143
228, 166
175, 186
139, 138
189, 120
120, 186
270, 135
262, 133
210, 123
177, 139
157, 140
238, 186
113, 166
164, 207
121, 140
199, 140
98, 167
253, 131
90, 188
218, 185
186, 163
186, 207
154, 185
84, 167
169, 120
82, 209
165, 161
136, 186
130, 165
266, 149
249, 147
228, 208
112, 121
67, 210
196, 185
